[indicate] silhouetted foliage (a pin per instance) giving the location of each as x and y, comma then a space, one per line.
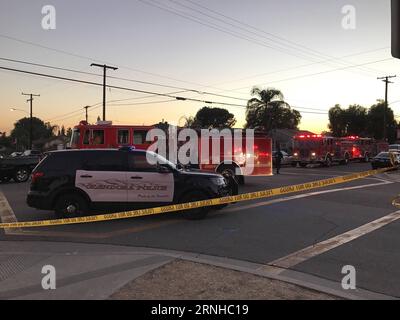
40, 130
346, 122
210, 118
269, 111
357, 120
375, 122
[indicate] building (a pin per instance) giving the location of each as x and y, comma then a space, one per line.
285, 137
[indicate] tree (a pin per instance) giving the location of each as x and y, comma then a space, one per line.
163, 125
21, 131
210, 118
5, 141
356, 120
189, 122
269, 111
375, 122
346, 122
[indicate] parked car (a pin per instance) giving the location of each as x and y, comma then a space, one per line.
286, 160
29, 153
382, 160
15, 154
71, 182
17, 168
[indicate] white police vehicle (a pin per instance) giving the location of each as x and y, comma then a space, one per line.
73, 182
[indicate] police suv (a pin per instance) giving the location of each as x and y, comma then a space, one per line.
72, 182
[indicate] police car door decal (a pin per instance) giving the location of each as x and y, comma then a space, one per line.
150, 187
103, 186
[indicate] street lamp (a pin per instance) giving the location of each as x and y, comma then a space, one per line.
15, 109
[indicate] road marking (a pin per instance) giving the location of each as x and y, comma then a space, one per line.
278, 266
306, 195
6, 213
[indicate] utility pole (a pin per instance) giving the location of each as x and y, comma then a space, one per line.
105, 67
31, 95
86, 112
386, 81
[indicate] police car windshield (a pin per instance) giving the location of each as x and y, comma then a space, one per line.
161, 160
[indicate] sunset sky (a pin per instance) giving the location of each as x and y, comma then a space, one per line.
289, 45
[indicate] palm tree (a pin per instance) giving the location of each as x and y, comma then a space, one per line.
269, 111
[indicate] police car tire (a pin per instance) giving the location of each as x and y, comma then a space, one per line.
66, 200
21, 175
198, 213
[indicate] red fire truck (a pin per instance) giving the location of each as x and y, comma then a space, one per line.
319, 149
364, 149
325, 150
107, 135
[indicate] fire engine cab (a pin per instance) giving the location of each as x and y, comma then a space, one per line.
319, 149
106, 135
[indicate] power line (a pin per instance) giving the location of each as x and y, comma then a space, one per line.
117, 87
211, 25
100, 60
155, 93
322, 72
280, 38
119, 78
301, 66
219, 28
141, 71
141, 103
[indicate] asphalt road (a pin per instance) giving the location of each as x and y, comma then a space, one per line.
265, 231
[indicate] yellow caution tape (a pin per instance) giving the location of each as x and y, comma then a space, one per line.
197, 204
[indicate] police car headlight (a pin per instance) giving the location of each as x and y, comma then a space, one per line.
220, 181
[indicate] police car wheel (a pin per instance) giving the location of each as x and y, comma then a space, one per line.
198, 213
21, 175
70, 206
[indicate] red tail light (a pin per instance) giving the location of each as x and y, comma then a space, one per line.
263, 154
36, 176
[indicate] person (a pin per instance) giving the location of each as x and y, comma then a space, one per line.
279, 157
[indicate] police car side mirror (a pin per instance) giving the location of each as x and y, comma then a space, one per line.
164, 169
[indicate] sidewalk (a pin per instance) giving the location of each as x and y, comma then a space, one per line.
92, 271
